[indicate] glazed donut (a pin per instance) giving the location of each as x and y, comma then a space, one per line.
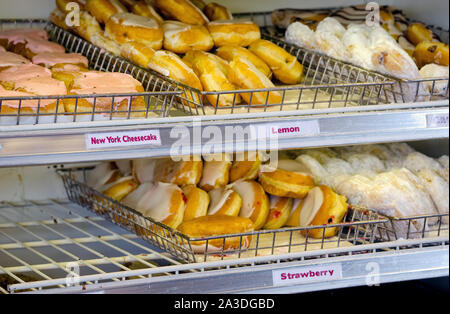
218, 226
230, 52
103, 42
224, 201
14, 107
255, 203
213, 77
120, 189
199, 4
246, 76
137, 53
180, 37
10, 76
9, 59
179, 172
126, 27
162, 202
284, 183
229, 33
431, 52
169, 64
245, 166
285, 66
182, 10
102, 10
62, 5
88, 27
322, 206
144, 9
216, 172
94, 82
197, 203
417, 33
280, 208
128, 3
191, 56
67, 73
49, 60
217, 12
58, 18
30, 47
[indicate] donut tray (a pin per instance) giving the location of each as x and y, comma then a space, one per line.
404, 91
360, 226
159, 94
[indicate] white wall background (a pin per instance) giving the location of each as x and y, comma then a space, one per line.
430, 11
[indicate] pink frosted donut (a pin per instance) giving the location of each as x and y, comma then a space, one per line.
42, 86
9, 35
16, 73
30, 46
50, 59
8, 59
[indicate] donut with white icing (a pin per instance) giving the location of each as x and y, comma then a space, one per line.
234, 33
181, 37
126, 27
280, 209
255, 202
224, 201
185, 172
215, 172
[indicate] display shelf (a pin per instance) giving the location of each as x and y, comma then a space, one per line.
54, 234
41, 144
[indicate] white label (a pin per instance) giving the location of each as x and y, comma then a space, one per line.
437, 120
124, 138
305, 275
289, 129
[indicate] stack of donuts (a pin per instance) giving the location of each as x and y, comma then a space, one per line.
221, 195
198, 45
31, 65
394, 47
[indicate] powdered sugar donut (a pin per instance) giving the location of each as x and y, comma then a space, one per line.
300, 34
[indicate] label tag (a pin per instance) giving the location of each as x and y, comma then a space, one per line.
289, 129
437, 120
122, 139
305, 275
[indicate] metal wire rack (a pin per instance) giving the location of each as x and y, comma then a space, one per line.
156, 101
404, 91
359, 227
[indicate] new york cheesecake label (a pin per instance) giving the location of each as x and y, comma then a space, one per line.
123, 139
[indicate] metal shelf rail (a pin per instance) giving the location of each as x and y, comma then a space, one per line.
39, 243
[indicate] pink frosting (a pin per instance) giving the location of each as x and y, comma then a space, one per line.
8, 59
15, 103
13, 34
42, 86
94, 82
23, 72
2, 49
38, 45
49, 59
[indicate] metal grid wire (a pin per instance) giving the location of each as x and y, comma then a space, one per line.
359, 226
404, 91
43, 241
156, 101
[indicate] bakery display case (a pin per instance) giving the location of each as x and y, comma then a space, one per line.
348, 133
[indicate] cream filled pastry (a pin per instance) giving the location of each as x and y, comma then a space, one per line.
185, 172
126, 27
162, 202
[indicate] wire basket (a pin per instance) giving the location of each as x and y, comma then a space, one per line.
358, 227
404, 91
414, 227
156, 101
